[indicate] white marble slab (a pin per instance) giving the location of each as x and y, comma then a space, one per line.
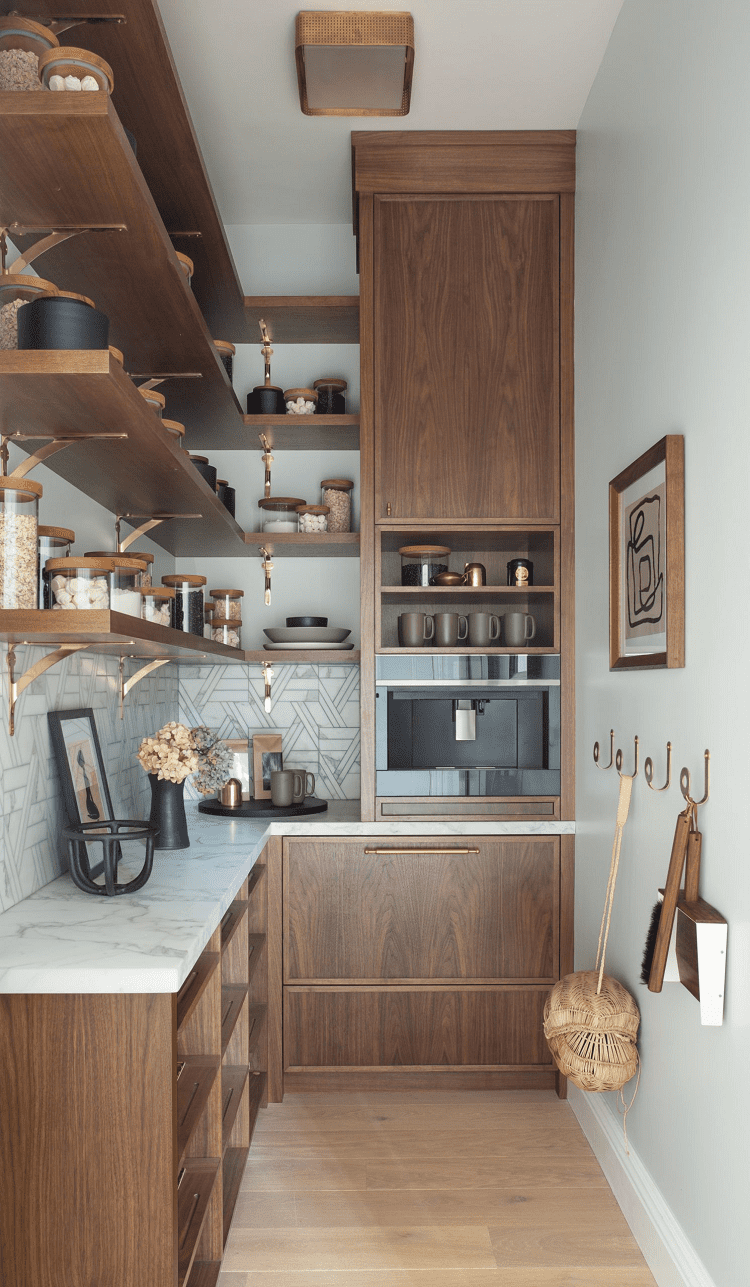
61, 940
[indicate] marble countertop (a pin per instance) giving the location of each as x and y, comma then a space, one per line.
61, 940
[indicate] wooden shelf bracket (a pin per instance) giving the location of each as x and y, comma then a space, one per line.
127, 685
18, 686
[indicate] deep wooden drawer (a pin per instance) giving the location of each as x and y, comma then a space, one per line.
485, 916
408, 1027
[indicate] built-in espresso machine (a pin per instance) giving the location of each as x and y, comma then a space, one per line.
467, 728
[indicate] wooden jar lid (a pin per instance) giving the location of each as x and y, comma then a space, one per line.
423, 551
183, 578
331, 382
117, 354
67, 294
202, 460
342, 484
227, 594
57, 533
290, 395
122, 561
21, 485
313, 509
281, 502
71, 563
68, 61
174, 427
23, 33
23, 286
186, 264
117, 554
155, 591
224, 346
232, 622
153, 395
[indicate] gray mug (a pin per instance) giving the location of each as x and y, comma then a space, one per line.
450, 629
413, 629
518, 628
290, 786
484, 629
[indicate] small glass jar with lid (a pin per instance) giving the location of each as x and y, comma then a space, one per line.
226, 604
17, 289
127, 583
313, 518
187, 265
300, 402
155, 400
130, 556
208, 609
420, 563
331, 396
157, 604
280, 513
188, 601
226, 352
226, 632
80, 583
336, 493
54, 543
176, 430
19, 521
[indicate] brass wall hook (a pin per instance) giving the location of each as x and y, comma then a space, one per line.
611, 752
648, 770
685, 782
618, 760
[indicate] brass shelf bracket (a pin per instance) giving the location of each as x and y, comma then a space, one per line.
152, 520
18, 686
127, 685
55, 238
52, 447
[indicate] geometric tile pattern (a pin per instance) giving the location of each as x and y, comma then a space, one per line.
31, 812
314, 707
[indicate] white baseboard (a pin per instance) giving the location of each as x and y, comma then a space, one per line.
667, 1250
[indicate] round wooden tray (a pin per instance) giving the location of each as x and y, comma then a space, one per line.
263, 808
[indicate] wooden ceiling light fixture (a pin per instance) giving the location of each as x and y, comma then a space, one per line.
354, 64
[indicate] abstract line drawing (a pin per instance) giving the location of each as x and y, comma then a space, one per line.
644, 565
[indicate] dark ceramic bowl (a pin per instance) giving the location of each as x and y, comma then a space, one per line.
293, 622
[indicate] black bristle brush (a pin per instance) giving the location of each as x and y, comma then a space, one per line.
649, 949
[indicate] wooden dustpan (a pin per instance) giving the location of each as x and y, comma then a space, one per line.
701, 942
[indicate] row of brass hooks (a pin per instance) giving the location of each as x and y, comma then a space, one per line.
616, 758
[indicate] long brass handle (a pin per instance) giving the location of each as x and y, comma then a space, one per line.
421, 851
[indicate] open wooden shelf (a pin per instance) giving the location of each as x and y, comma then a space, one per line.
232, 920
460, 593
233, 997
195, 985
298, 657
296, 545
56, 151
195, 1077
233, 1078
113, 633
305, 319
306, 433
460, 651
193, 1193
233, 1169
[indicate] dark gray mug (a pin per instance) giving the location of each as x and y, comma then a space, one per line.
450, 629
518, 628
413, 629
484, 629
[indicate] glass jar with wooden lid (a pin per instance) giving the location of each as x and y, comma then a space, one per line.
226, 352
226, 604
139, 556
187, 266
188, 601
80, 583
157, 604
17, 289
313, 518
336, 493
331, 393
22, 43
174, 428
300, 402
155, 400
53, 543
226, 632
420, 563
280, 513
19, 521
127, 583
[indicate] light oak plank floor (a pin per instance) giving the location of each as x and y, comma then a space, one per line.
427, 1189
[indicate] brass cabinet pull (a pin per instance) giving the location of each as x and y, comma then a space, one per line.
421, 851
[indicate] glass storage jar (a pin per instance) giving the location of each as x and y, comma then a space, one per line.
225, 494
420, 563
19, 520
280, 513
226, 604
226, 632
187, 266
300, 402
175, 429
79, 583
188, 601
16, 289
313, 518
331, 396
208, 609
155, 400
207, 471
226, 352
144, 576
157, 604
336, 493
22, 43
127, 583
53, 543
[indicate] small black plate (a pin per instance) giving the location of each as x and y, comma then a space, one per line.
304, 622
262, 808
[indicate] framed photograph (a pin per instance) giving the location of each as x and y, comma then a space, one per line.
80, 765
266, 759
647, 560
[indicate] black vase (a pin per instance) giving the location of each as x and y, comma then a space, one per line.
168, 813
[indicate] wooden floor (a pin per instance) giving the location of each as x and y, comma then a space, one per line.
427, 1189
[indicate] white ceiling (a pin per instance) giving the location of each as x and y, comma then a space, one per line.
479, 64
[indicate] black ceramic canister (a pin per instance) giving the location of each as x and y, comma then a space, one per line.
226, 495
208, 471
520, 572
61, 322
266, 400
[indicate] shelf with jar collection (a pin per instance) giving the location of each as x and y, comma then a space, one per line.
526, 555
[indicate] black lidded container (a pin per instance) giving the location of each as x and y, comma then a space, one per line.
225, 494
62, 321
266, 400
520, 572
331, 396
226, 352
208, 471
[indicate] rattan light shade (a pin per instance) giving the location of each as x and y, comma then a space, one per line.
354, 64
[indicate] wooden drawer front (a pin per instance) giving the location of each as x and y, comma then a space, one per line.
358, 917
403, 1027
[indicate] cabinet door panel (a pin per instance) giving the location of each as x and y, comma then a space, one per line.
491, 915
399, 1027
466, 357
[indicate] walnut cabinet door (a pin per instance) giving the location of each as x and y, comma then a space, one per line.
466, 357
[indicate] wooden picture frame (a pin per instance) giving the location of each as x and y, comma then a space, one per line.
647, 560
80, 766
266, 758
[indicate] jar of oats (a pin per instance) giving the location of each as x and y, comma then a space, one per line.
17, 289
19, 521
226, 604
337, 495
22, 42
